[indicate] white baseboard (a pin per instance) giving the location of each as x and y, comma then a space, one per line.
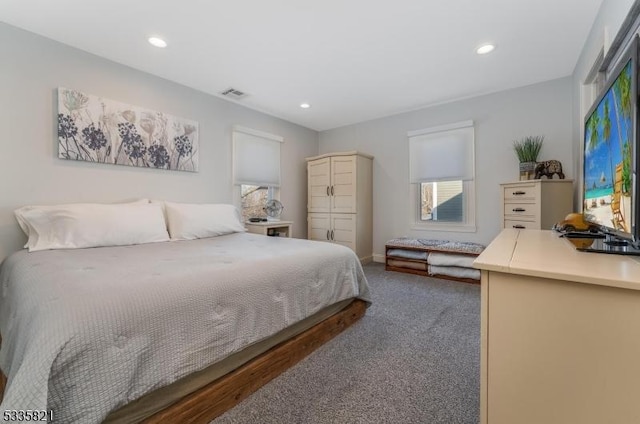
378, 258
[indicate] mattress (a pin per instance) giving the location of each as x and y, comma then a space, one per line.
437, 245
162, 398
87, 331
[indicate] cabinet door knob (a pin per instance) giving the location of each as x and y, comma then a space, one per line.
328, 235
327, 190
332, 190
522, 227
519, 210
519, 193
332, 235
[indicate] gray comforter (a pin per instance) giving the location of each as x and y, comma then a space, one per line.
87, 331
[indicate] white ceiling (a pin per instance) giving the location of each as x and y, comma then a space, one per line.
352, 60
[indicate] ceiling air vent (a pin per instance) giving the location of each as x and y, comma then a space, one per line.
233, 93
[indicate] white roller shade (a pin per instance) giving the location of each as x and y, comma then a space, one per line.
256, 157
442, 154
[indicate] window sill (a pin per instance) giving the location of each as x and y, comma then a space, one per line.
462, 228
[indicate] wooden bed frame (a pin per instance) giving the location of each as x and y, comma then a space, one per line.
214, 399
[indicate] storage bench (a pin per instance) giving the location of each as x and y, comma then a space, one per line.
450, 260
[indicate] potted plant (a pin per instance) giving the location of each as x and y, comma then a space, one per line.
527, 149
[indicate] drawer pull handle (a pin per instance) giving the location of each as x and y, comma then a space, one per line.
332, 190
522, 227
519, 210
519, 193
328, 235
327, 190
332, 235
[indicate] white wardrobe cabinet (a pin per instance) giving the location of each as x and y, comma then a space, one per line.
339, 203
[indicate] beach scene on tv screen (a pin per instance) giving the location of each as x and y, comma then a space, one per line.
607, 164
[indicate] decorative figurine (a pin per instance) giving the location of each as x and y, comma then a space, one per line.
548, 168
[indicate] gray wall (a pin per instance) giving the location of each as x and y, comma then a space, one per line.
499, 118
30, 172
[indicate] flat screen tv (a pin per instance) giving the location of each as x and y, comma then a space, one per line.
610, 192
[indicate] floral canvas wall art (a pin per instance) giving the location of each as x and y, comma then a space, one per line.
96, 129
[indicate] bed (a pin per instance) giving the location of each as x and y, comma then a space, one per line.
178, 330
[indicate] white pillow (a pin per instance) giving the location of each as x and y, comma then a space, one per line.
94, 225
31, 234
191, 221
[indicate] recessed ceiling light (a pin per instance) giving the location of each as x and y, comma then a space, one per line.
158, 42
485, 48
305, 105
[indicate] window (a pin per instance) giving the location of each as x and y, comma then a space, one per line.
442, 177
252, 200
442, 201
593, 83
256, 170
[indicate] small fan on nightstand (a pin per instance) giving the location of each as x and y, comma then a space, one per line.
273, 208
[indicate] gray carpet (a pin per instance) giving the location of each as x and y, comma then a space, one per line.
413, 358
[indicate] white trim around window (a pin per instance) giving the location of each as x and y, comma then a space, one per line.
469, 226
255, 161
430, 148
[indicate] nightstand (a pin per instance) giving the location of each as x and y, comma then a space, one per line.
270, 228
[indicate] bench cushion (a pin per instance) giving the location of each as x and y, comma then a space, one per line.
437, 245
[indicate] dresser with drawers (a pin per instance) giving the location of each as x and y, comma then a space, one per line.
536, 204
